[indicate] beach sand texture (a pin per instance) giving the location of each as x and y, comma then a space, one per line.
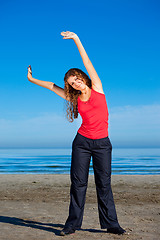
35, 207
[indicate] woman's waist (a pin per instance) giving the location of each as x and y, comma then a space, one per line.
93, 133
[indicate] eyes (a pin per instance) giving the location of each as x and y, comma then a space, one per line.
73, 82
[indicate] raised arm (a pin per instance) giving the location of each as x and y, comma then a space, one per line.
49, 85
96, 82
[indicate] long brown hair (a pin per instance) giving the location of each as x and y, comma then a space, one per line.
72, 94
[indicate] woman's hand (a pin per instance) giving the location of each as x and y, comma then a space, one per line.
29, 75
69, 35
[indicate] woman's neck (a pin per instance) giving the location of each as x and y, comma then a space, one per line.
85, 91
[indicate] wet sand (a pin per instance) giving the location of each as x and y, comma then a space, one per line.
36, 206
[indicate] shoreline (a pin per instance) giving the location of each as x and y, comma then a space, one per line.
35, 206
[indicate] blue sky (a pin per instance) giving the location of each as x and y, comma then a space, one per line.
121, 39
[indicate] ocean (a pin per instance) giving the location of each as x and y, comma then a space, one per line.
142, 161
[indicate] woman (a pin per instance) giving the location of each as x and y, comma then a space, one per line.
85, 95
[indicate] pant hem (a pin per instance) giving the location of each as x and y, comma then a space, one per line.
109, 226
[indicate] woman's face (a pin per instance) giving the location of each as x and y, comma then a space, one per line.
76, 83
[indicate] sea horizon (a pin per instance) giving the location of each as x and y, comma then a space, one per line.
137, 147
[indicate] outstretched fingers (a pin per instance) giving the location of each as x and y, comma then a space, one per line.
68, 35
29, 69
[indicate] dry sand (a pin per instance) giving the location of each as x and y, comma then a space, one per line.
36, 207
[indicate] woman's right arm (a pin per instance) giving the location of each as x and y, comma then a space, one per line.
49, 85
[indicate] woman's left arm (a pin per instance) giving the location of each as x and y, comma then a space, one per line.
87, 63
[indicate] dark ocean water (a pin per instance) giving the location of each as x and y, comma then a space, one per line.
58, 161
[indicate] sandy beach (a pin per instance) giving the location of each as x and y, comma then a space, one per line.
36, 207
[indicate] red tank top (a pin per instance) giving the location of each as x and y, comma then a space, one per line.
94, 113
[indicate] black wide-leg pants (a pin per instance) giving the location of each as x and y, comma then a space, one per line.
100, 150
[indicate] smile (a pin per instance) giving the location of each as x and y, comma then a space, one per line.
79, 84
